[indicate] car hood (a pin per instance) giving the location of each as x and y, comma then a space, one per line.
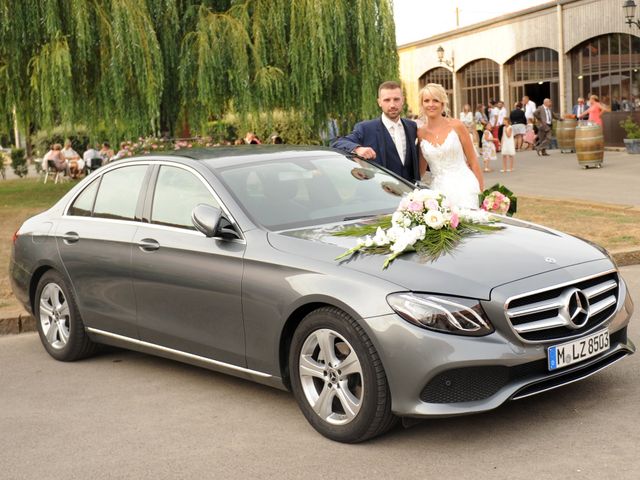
478, 264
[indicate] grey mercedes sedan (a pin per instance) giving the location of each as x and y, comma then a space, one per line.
226, 259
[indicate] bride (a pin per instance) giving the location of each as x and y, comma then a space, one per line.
445, 147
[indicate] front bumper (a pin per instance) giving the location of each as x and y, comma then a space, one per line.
433, 374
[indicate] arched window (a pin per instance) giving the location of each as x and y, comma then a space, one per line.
534, 73
608, 66
480, 82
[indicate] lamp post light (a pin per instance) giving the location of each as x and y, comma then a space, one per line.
441, 59
629, 8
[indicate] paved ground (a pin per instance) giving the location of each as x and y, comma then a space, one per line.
560, 176
127, 415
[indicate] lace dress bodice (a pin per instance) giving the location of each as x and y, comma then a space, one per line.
449, 171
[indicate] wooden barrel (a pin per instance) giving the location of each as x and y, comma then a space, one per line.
589, 145
566, 134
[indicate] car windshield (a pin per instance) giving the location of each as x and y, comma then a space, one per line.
299, 192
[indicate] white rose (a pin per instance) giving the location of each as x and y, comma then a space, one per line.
425, 194
406, 222
434, 219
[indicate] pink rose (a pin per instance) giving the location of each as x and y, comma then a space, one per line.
455, 220
415, 206
432, 204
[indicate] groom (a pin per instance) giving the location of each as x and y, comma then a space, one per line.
389, 141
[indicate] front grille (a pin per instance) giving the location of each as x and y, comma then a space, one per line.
546, 316
471, 384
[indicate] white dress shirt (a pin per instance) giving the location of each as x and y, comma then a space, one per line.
396, 130
529, 108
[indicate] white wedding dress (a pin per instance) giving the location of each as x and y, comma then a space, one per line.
450, 174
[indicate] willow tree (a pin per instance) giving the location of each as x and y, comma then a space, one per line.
133, 67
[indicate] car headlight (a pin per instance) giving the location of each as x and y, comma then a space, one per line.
460, 316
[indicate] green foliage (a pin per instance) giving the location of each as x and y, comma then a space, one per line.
631, 128
19, 162
126, 68
78, 134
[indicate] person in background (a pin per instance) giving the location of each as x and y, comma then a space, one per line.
502, 114
544, 115
75, 163
466, 117
529, 138
595, 110
275, 139
494, 113
123, 152
508, 146
529, 108
55, 155
488, 148
89, 155
481, 121
579, 108
518, 124
251, 139
106, 153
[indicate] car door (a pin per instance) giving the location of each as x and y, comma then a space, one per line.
187, 286
94, 239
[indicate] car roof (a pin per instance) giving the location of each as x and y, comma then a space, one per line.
220, 157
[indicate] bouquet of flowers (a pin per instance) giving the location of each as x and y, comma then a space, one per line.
425, 222
499, 199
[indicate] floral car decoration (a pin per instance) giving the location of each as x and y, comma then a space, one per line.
425, 222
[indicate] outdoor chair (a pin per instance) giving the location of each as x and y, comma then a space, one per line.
53, 172
93, 164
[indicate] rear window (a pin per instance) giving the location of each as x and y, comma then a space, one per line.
118, 193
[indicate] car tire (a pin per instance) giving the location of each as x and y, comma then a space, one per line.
59, 324
347, 398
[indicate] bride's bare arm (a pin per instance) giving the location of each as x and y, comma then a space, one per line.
422, 162
469, 151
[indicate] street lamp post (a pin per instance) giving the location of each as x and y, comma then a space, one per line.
629, 8
441, 59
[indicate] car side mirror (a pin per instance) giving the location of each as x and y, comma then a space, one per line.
211, 222
206, 219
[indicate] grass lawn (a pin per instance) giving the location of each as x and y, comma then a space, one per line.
613, 227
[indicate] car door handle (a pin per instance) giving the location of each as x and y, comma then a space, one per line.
70, 237
148, 244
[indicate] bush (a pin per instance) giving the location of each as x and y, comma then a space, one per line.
78, 135
19, 162
631, 128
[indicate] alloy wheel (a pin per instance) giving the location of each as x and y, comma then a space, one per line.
54, 316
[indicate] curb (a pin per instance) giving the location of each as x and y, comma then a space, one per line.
23, 323
26, 323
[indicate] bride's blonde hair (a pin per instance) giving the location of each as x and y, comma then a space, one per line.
436, 91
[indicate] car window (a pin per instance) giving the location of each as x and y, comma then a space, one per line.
83, 204
177, 192
310, 191
118, 193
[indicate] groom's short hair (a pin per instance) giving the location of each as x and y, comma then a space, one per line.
388, 85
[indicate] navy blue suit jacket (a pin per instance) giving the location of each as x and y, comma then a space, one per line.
373, 133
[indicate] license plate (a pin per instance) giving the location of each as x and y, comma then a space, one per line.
573, 352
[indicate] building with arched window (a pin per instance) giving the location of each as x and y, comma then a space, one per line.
560, 50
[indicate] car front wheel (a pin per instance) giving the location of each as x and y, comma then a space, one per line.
338, 378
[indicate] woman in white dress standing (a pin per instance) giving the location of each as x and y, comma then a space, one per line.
508, 146
446, 148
